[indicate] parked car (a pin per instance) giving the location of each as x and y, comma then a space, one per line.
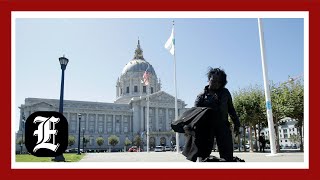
133, 149
167, 148
159, 149
73, 150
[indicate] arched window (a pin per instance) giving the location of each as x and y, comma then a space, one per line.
163, 141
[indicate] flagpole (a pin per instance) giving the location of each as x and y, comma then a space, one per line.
175, 98
267, 92
148, 104
176, 104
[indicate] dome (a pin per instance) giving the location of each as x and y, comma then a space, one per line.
138, 65
132, 82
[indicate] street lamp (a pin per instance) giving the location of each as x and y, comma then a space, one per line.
83, 139
63, 62
79, 115
23, 130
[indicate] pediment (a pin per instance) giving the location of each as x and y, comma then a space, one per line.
161, 96
43, 105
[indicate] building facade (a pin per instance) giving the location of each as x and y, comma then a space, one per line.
126, 117
289, 136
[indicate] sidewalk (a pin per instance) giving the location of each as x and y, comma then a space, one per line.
178, 157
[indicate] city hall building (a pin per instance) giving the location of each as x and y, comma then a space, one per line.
126, 117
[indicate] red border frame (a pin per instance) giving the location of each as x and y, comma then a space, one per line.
6, 7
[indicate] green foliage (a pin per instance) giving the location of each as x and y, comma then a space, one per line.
294, 101
137, 141
100, 141
127, 142
70, 157
20, 141
71, 140
287, 100
113, 140
248, 104
86, 140
295, 138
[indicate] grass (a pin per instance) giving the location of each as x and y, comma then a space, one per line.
70, 157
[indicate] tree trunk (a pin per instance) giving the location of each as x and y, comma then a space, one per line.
301, 139
255, 137
239, 142
244, 139
250, 139
277, 137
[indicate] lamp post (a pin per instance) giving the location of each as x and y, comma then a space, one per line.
23, 130
79, 116
83, 139
21, 142
63, 62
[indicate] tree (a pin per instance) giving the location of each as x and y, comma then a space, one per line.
86, 141
277, 99
127, 142
20, 141
113, 140
238, 101
293, 93
137, 141
71, 140
247, 103
100, 141
294, 138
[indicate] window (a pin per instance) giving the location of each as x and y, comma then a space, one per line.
109, 124
91, 141
118, 124
117, 127
125, 124
100, 130
151, 90
121, 91
160, 123
91, 124
128, 89
285, 131
100, 126
144, 89
73, 125
135, 88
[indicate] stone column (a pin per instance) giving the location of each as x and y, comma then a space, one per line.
167, 121
105, 127
113, 123
156, 113
131, 124
121, 124
141, 118
96, 123
130, 88
87, 122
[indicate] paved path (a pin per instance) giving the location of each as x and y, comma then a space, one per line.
175, 157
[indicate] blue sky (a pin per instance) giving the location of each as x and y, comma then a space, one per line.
99, 48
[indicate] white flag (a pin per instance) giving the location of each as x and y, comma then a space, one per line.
170, 43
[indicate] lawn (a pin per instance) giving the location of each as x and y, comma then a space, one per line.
70, 157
